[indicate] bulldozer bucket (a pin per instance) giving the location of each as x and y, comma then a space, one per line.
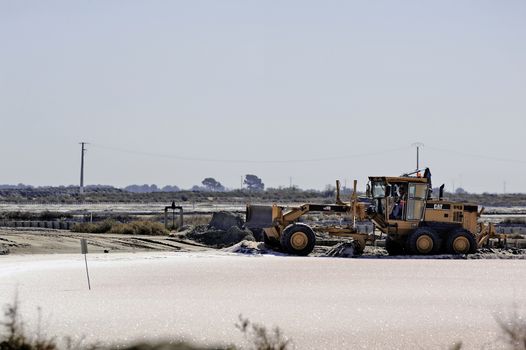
258, 216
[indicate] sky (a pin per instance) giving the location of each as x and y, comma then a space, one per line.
302, 92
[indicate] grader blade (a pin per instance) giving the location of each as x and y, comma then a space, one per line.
258, 216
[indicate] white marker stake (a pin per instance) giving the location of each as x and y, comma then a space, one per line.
84, 250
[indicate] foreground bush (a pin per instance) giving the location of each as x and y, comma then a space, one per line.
15, 338
131, 228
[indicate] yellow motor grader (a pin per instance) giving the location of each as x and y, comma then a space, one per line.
400, 207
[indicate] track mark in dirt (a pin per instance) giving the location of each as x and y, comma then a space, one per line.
158, 242
182, 241
133, 244
8, 243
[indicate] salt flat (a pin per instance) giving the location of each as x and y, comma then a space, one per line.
320, 303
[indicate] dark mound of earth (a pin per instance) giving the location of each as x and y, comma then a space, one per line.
224, 220
220, 238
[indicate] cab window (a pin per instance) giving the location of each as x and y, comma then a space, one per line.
416, 201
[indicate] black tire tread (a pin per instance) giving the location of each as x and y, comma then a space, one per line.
287, 234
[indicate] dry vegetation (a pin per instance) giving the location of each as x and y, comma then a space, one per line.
131, 228
14, 337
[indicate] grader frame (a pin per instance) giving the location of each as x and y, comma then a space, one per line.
281, 227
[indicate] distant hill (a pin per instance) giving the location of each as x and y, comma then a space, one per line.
152, 193
150, 188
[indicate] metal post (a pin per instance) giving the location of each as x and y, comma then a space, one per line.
354, 198
84, 250
417, 149
87, 273
83, 150
418, 145
181, 223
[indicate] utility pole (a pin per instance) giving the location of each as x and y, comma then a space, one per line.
83, 150
418, 145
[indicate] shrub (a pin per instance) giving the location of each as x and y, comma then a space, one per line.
132, 228
140, 228
95, 227
514, 331
260, 337
16, 338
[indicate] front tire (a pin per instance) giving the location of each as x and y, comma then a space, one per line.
298, 239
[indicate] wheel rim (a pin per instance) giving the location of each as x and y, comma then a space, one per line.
299, 240
424, 244
461, 245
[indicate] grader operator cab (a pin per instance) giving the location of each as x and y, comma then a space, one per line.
416, 223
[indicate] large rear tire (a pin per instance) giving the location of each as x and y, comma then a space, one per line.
423, 241
461, 241
298, 239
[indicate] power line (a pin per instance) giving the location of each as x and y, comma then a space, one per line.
252, 161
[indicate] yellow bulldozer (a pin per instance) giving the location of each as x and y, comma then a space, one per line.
400, 207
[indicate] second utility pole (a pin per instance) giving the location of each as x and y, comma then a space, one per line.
81, 190
418, 145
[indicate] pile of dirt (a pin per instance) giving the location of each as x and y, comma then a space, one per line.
224, 220
224, 230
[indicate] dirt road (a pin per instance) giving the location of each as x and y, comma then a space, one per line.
43, 241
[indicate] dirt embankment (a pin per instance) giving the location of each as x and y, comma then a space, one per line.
43, 241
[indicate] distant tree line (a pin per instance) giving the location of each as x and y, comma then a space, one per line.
209, 184
210, 189
150, 188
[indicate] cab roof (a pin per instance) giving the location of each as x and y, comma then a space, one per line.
394, 179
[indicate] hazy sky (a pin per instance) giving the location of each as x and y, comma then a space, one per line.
171, 92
